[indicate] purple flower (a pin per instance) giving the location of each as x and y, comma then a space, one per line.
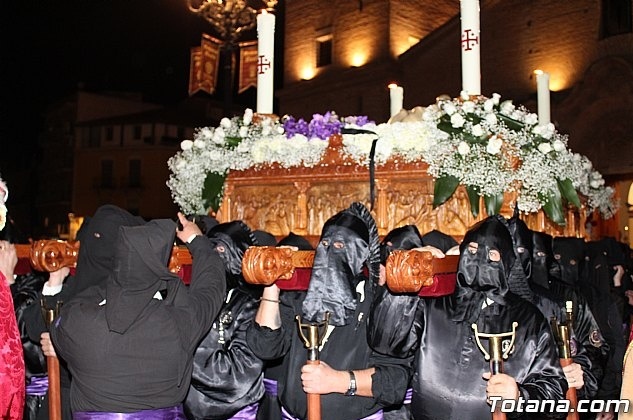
324, 126
321, 126
293, 127
359, 120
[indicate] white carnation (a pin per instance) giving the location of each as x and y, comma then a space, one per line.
494, 145
545, 148
457, 120
463, 148
186, 145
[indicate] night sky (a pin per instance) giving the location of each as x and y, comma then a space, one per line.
51, 47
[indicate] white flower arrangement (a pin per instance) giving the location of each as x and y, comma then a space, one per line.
488, 145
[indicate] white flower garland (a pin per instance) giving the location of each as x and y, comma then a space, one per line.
478, 140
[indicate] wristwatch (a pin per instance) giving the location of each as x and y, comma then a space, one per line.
352, 384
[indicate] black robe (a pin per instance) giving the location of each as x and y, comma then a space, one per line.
227, 376
134, 352
345, 349
447, 382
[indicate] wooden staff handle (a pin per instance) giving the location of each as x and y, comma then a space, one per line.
265, 265
498, 415
571, 393
314, 400
54, 391
410, 271
49, 255
406, 271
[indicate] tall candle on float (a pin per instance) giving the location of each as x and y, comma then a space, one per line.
396, 98
265, 61
471, 66
542, 97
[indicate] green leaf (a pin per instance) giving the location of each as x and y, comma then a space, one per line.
232, 142
213, 190
568, 191
447, 127
444, 188
511, 123
553, 207
473, 197
493, 203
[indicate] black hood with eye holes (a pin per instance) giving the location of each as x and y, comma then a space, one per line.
478, 277
348, 244
234, 238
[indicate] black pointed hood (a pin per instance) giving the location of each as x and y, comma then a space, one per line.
140, 270
349, 243
98, 237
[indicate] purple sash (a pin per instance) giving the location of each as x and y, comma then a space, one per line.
168, 413
38, 385
247, 413
407, 396
270, 386
285, 415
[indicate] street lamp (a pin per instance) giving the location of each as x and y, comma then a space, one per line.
230, 18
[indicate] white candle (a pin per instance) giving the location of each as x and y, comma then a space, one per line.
542, 97
471, 66
265, 61
396, 97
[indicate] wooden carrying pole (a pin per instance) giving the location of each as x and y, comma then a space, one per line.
406, 271
52, 364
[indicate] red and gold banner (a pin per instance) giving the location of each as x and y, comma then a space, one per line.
248, 66
203, 70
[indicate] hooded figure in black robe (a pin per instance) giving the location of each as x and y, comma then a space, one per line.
227, 376
597, 277
269, 407
546, 275
448, 380
343, 280
97, 237
129, 342
524, 282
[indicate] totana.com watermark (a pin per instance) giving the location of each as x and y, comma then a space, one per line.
558, 406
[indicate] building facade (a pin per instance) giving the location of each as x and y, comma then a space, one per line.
342, 57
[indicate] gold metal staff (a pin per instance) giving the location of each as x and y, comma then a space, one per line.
315, 334
495, 354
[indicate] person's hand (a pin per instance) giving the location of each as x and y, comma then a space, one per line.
47, 345
629, 296
453, 251
189, 229
322, 379
605, 415
502, 386
436, 252
382, 278
56, 278
8, 260
617, 276
574, 375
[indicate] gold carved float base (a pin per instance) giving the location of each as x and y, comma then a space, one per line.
300, 200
